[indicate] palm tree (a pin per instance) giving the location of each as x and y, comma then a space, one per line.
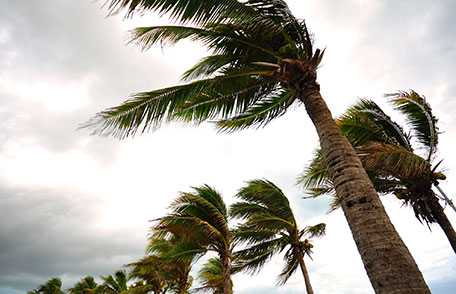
86, 285
270, 227
392, 163
115, 284
200, 219
262, 62
52, 286
159, 271
211, 277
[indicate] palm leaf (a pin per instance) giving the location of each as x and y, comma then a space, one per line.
419, 116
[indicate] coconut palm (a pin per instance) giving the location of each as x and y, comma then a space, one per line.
262, 61
392, 162
200, 219
115, 284
52, 286
86, 285
159, 271
268, 228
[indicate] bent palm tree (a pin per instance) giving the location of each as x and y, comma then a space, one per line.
159, 271
389, 157
115, 284
200, 219
270, 227
262, 61
86, 285
52, 286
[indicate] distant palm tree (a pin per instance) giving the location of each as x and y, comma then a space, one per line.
159, 271
86, 285
392, 163
200, 218
52, 286
262, 61
268, 228
115, 284
211, 277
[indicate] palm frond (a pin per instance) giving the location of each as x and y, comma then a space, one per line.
366, 121
261, 113
392, 160
419, 116
254, 257
318, 230
291, 264
265, 193
197, 101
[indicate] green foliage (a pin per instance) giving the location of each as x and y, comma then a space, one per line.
386, 152
115, 284
419, 117
240, 84
86, 285
269, 227
52, 286
211, 277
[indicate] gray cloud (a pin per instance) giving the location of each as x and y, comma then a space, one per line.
47, 233
55, 231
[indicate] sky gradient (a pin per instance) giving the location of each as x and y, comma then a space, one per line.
73, 204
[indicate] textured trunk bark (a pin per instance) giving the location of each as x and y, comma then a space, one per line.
305, 274
227, 283
388, 263
443, 221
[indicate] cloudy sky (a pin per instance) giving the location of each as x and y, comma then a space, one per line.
72, 204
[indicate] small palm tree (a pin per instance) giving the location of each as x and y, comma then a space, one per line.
115, 284
159, 271
269, 227
200, 219
392, 163
52, 286
262, 61
86, 285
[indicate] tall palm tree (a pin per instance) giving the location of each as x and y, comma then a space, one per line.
86, 285
159, 271
269, 227
52, 286
200, 219
262, 62
392, 163
115, 284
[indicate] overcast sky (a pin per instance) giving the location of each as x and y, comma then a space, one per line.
72, 204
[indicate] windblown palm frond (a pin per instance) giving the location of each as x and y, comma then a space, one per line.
268, 227
365, 122
419, 117
243, 82
211, 277
115, 284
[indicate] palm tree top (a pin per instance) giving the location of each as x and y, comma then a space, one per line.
261, 61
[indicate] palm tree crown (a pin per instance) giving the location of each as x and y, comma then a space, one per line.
269, 227
200, 219
388, 155
257, 47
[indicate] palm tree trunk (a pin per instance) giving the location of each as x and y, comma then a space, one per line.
227, 283
443, 221
305, 274
388, 263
